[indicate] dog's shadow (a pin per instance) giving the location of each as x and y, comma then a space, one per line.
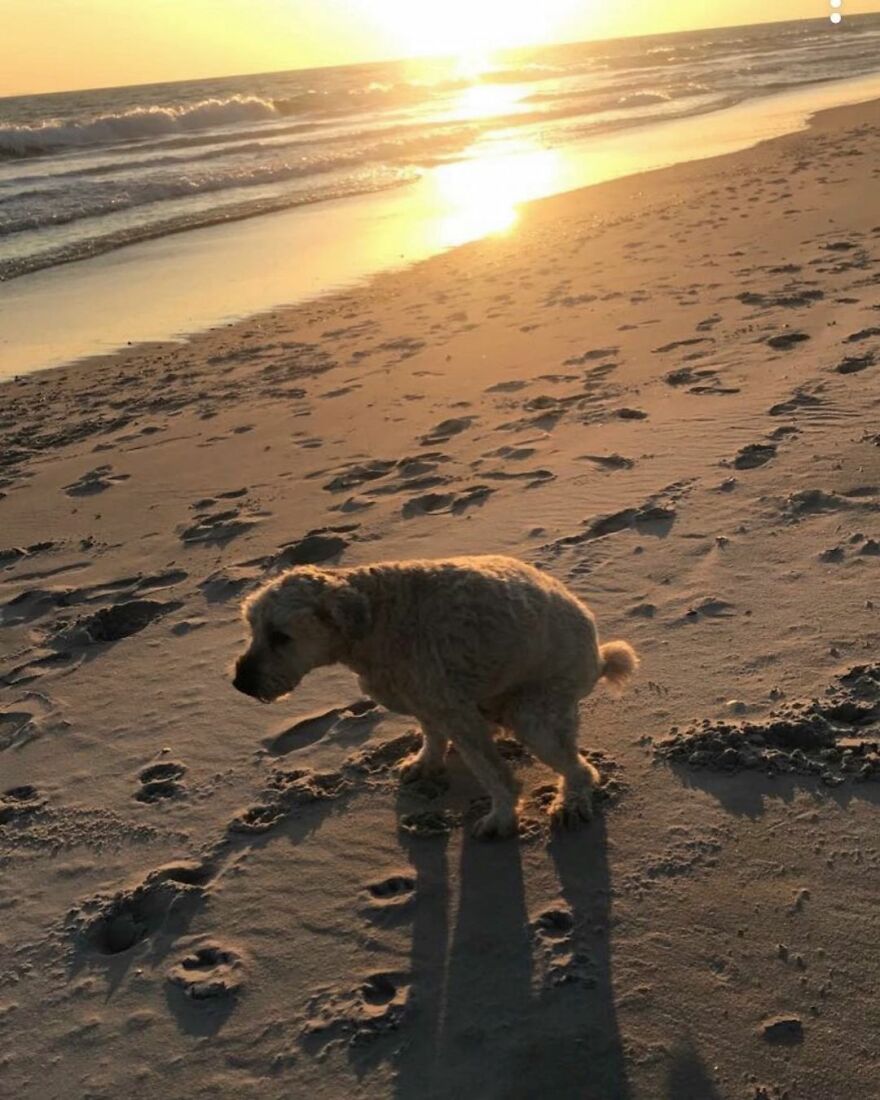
507, 1003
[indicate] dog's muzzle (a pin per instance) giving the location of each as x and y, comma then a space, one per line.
246, 678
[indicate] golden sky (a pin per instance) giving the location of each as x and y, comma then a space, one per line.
54, 45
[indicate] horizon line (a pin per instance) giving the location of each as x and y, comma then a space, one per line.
432, 57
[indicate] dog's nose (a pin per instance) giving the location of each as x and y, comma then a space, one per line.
244, 680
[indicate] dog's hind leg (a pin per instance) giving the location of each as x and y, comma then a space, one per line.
548, 724
430, 760
472, 736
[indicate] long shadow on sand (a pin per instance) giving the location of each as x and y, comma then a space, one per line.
507, 1006
688, 1078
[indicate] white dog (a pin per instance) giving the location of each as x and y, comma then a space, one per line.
464, 645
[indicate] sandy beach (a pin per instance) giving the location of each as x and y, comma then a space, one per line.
663, 390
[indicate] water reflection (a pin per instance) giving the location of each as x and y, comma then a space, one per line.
488, 100
481, 195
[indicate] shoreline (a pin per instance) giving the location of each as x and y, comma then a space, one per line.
69, 292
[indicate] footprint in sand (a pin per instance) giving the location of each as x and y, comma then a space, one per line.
506, 387
19, 802
665, 348
209, 502
433, 504
800, 399
95, 481
550, 410
853, 364
533, 478
112, 624
208, 972
430, 823
216, 527
377, 1006
384, 757
554, 924
161, 781
357, 474
314, 549
337, 723
353, 504
325, 544
686, 376
561, 962
608, 462
13, 554
393, 889
166, 900
284, 794
650, 519
389, 898
34, 603
794, 299
786, 340
753, 455
340, 392
410, 475
515, 454
590, 356
446, 429
26, 719
710, 607
863, 334
807, 502
230, 583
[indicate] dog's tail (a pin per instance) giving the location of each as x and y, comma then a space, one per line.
619, 662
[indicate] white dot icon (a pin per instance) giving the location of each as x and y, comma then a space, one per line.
836, 17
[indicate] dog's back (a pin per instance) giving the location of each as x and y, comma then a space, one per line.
494, 621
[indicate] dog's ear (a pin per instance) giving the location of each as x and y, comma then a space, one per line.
346, 609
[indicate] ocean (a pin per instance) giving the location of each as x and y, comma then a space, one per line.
84, 173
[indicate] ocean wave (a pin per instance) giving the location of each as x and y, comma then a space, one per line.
117, 169
112, 197
182, 123
66, 203
134, 124
13, 267
643, 99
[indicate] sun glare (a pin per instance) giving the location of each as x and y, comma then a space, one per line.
469, 29
481, 195
480, 100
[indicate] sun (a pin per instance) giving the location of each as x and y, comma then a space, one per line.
469, 29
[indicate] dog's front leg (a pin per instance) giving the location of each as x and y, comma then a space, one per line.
430, 760
472, 736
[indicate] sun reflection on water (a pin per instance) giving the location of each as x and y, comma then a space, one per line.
481, 195
483, 99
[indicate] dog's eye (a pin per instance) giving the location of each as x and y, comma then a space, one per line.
278, 638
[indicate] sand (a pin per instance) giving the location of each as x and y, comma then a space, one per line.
664, 390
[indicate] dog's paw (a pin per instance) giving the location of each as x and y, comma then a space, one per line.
418, 767
568, 813
495, 824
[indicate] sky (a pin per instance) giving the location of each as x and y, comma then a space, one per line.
57, 45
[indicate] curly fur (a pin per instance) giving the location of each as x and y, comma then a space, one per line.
465, 645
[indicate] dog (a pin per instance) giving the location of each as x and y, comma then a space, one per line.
465, 645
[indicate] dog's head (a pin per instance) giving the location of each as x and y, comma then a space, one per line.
306, 618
